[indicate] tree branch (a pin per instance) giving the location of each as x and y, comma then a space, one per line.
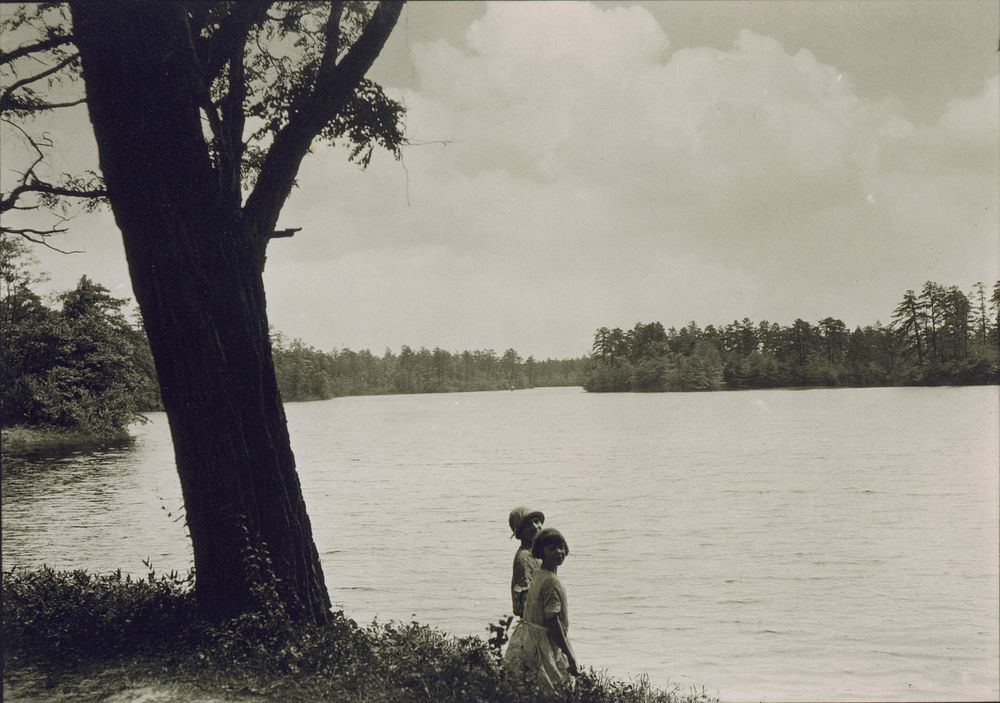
335, 84
199, 15
40, 237
243, 18
231, 36
196, 75
44, 45
355, 64
27, 231
30, 183
17, 85
225, 119
13, 104
36, 186
332, 33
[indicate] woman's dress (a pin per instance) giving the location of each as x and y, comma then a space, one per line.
525, 567
531, 651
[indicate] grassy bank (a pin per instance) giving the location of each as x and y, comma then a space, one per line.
43, 439
85, 637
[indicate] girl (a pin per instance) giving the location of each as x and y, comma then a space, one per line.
539, 648
524, 524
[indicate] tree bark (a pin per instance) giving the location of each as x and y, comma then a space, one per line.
197, 275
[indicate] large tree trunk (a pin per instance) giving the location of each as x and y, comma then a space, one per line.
197, 275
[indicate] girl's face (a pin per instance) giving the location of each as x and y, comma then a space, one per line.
531, 528
553, 554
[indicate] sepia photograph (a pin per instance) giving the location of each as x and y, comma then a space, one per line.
632, 351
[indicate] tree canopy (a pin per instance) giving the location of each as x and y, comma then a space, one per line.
268, 78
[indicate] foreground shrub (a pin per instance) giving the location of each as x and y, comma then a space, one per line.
79, 614
57, 620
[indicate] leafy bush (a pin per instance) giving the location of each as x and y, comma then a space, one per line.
68, 618
79, 614
598, 687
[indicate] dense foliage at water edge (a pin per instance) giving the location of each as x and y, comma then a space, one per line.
73, 625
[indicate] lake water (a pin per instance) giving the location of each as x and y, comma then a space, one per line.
767, 545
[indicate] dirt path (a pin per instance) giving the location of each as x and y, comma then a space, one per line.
113, 685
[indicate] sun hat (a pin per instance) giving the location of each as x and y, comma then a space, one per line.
519, 516
547, 535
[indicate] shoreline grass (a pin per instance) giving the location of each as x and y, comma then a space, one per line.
73, 635
21, 439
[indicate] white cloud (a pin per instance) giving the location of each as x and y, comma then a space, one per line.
751, 125
976, 119
596, 178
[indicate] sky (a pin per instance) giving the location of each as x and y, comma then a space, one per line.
577, 165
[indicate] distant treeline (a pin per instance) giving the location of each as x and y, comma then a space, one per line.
305, 373
80, 364
940, 336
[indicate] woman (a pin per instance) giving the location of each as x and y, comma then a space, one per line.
539, 648
524, 524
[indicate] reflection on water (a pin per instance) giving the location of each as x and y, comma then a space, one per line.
100, 508
95, 453
816, 545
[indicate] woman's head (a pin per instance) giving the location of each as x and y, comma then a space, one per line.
524, 523
548, 536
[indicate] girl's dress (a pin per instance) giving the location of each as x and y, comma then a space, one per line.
525, 566
530, 651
